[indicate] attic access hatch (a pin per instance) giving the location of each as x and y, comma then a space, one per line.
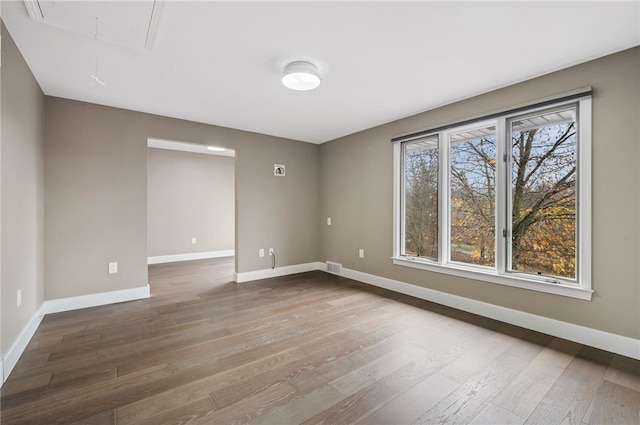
128, 24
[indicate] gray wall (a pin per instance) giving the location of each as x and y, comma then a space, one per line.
189, 195
96, 195
21, 192
356, 191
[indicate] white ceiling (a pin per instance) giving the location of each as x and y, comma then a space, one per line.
221, 62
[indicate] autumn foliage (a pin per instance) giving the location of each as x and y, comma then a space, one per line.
542, 204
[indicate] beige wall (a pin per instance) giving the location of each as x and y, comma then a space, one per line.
96, 195
356, 191
189, 195
2, 349
21, 192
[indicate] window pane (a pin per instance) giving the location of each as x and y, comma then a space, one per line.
543, 194
421, 198
473, 196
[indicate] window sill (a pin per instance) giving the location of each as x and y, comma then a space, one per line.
515, 281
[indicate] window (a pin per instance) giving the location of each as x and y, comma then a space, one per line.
472, 196
543, 193
505, 199
421, 204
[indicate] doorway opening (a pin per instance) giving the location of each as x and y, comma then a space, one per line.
190, 202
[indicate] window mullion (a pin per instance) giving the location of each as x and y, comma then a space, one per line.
399, 199
443, 199
503, 230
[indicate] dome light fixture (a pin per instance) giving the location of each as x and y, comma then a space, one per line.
301, 76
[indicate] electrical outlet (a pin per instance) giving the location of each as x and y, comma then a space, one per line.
113, 268
328, 221
19, 297
361, 253
261, 252
193, 241
271, 251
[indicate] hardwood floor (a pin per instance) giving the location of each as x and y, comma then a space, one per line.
311, 348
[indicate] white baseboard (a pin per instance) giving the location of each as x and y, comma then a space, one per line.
188, 257
278, 271
10, 359
614, 343
92, 300
593, 337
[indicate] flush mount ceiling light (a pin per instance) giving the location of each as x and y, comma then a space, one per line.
301, 76
215, 149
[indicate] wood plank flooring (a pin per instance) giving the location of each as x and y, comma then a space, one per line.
311, 348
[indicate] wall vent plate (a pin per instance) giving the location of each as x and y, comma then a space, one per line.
334, 267
279, 170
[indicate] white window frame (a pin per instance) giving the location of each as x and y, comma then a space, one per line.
445, 199
580, 287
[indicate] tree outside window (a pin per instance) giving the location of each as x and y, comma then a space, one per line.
538, 173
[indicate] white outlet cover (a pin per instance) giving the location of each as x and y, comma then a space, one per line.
261, 252
113, 268
361, 253
328, 221
193, 241
19, 297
